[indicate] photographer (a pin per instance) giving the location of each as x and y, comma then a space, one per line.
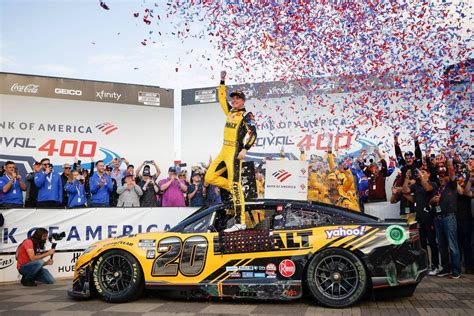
49, 183
423, 189
129, 193
145, 166
76, 190
12, 186
149, 188
29, 263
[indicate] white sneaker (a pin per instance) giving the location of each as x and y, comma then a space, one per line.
434, 271
235, 228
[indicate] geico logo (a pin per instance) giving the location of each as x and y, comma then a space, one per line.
67, 91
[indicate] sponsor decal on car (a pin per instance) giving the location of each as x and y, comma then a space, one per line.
231, 269
271, 267
343, 232
235, 275
147, 243
259, 275
150, 254
245, 268
287, 268
247, 274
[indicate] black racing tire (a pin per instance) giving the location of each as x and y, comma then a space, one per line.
336, 278
117, 277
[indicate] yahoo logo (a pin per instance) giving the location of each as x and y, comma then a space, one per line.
343, 232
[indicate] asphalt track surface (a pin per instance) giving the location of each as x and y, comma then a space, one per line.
434, 296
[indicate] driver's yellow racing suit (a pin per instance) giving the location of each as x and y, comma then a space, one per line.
225, 170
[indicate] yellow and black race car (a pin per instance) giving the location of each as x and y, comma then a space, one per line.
289, 248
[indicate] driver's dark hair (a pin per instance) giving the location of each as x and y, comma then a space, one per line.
37, 238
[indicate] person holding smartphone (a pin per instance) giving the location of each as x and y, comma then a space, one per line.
49, 183
76, 190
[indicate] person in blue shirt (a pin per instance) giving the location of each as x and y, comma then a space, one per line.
50, 186
101, 186
12, 186
76, 191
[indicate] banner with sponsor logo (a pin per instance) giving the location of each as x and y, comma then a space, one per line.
286, 179
83, 227
64, 119
85, 90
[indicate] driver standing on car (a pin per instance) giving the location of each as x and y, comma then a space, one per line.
240, 135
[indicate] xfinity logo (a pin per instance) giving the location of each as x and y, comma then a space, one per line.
107, 95
29, 88
67, 91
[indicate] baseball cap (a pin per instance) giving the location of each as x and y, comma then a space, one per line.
238, 93
36, 163
332, 176
172, 169
409, 153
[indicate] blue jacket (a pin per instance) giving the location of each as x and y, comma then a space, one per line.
100, 194
47, 191
76, 194
12, 196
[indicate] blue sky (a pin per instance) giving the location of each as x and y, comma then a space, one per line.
55, 38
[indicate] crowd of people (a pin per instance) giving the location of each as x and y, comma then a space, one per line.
436, 190
104, 186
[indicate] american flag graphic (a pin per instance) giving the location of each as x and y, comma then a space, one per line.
282, 175
107, 128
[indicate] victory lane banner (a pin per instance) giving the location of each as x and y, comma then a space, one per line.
82, 227
286, 179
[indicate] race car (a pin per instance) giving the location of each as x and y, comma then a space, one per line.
289, 248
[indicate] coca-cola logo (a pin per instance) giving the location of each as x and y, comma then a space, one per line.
29, 88
287, 268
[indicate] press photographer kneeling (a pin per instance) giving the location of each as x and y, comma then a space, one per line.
29, 263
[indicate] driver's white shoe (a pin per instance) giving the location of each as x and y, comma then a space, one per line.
235, 228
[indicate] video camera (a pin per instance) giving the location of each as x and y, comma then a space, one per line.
56, 237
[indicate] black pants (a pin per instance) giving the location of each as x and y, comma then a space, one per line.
49, 204
428, 237
465, 246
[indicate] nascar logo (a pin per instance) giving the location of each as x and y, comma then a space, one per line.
107, 128
281, 175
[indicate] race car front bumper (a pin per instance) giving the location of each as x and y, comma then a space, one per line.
81, 283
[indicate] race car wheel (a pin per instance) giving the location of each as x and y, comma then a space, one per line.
336, 278
117, 277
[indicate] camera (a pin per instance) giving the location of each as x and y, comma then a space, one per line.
56, 236
148, 161
416, 173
